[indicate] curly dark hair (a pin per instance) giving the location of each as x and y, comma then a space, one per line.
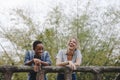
35, 43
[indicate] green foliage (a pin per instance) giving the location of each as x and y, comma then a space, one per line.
1, 76
20, 76
96, 50
85, 76
109, 76
48, 38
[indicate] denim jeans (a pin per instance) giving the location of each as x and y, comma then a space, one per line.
61, 76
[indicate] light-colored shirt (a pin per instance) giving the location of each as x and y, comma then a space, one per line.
62, 55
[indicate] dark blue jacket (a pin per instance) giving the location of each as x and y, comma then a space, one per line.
30, 55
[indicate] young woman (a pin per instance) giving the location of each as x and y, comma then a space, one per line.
70, 56
37, 57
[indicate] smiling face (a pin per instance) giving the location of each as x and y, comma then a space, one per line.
72, 45
38, 49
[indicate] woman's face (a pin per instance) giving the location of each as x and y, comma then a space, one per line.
72, 45
39, 49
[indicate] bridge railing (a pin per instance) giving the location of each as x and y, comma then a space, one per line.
95, 70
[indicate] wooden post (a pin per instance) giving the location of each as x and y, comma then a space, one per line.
97, 76
118, 77
68, 74
41, 74
8, 75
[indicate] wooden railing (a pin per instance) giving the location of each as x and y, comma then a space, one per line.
96, 70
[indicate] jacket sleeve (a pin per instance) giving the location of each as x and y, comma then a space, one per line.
27, 57
48, 58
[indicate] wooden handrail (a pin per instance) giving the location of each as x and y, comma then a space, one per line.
96, 70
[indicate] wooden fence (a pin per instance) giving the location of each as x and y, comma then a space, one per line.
95, 70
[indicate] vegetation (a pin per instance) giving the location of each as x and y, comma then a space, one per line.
98, 38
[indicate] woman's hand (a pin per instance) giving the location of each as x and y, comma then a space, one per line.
37, 64
37, 61
72, 65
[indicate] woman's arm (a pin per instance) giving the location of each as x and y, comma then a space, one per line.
78, 59
34, 60
47, 59
59, 63
44, 63
78, 62
27, 60
67, 63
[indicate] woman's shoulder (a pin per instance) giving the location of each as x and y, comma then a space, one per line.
78, 51
63, 50
29, 53
46, 52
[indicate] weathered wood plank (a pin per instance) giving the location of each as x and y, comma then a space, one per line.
96, 70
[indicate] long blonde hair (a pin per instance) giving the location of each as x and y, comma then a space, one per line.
77, 42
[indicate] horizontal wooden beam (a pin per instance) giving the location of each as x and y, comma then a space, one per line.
96, 70
99, 69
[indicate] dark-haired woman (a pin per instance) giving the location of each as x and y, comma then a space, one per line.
37, 57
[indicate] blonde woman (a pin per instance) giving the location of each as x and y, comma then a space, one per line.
70, 56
